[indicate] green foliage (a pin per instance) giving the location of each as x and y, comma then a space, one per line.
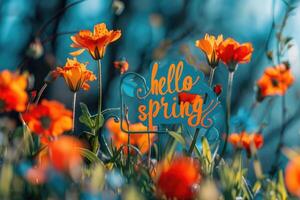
206, 159
94, 123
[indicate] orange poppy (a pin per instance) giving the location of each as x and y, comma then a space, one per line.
120, 138
275, 81
64, 153
231, 52
122, 65
49, 118
292, 176
176, 180
13, 96
76, 75
95, 42
245, 140
209, 45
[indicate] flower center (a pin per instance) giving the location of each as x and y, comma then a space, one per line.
46, 121
275, 82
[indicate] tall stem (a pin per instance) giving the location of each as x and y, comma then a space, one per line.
211, 76
149, 151
40, 93
74, 111
99, 86
228, 107
128, 142
103, 143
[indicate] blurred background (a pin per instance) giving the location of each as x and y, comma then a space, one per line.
151, 31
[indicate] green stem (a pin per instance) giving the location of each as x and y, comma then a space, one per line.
74, 111
103, 143
109, 109
194, 141
211, 76
99, 87
40, 94
149, 151
128, 142
228, 106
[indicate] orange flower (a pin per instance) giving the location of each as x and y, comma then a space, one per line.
244, 140
64, 153
95, 42
120, 138
122, 66
231, 53
177, 179
275, 81
49, 118
292, 176
76, 75
209, 44
13, 96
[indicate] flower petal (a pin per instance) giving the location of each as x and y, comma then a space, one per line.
77, 53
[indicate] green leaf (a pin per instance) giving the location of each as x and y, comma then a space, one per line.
171, 151
256, 187
89, 155
206, 149
177, 137
23, 133
6, 176
98, 121
280, 186
85, 118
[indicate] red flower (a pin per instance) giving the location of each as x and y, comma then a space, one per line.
187, 97
176, 179
231, 52
218, 89
122, 65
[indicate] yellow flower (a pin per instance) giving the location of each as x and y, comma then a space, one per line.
95, 42
76, 75
209, 45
